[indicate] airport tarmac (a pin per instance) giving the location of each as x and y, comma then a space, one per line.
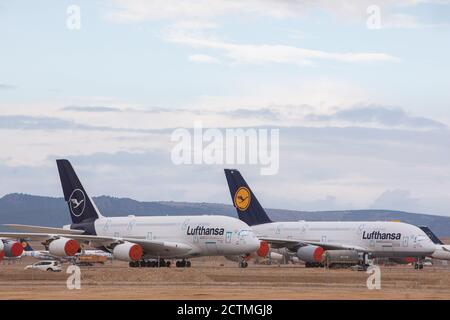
218, 278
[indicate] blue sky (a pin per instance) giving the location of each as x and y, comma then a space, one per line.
108, 95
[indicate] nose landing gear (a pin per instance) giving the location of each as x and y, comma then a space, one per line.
243, 264
418, 265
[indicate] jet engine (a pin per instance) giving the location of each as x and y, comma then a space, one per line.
63, 247
127, 252
310, 254
263, 250
12, 249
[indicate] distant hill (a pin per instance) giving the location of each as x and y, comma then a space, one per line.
48, 211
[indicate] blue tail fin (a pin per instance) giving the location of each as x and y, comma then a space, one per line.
82, 209
247, 206
431, 235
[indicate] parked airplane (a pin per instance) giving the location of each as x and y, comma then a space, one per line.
309, 239
134, 238
442, 251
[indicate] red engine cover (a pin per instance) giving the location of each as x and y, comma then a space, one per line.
318, 254
135, 252
71, 247
263, 250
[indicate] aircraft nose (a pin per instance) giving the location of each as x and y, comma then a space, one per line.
253, 244
431, 247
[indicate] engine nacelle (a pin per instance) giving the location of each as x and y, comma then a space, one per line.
2, 252
263, 250
274, 256
63, 247
12, 249
311, 254
127, 252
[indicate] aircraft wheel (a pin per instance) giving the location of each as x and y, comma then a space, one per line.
188, 264
168, 264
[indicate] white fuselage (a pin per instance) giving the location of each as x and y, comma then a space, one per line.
381, 239
205, 235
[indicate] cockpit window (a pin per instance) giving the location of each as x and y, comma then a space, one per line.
420, 238
245, 233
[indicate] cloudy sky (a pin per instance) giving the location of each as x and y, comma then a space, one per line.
359, 91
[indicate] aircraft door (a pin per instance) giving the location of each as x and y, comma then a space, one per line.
228, 237
405, 241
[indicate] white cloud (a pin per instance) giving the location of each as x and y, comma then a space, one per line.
139, 10
263, 53
345, 10
351, 165
203, 58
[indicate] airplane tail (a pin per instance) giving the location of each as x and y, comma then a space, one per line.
431, 235
247, 206
81, 207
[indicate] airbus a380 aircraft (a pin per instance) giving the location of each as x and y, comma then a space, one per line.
309, 239
135, 239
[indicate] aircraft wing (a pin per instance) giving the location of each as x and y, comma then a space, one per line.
150, 247
39, 229
290, 243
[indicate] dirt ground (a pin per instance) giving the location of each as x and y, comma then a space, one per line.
218, 278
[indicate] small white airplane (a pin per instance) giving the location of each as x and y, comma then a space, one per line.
309, 239
136, 239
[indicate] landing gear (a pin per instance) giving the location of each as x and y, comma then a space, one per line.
183, 264
418, 265
134, 264
161, 263
312, 265
243, 264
